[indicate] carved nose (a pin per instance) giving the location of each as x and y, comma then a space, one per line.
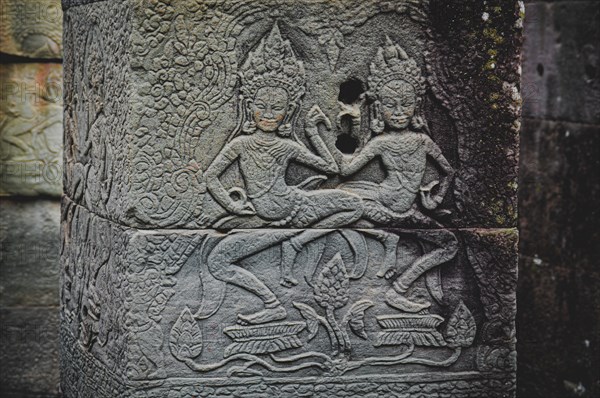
269, 113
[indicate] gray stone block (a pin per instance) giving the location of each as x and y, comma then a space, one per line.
29, 252
558, 275
29, 352
561, 59
560, 167
290, 198
153, 99
31, 129
147, 312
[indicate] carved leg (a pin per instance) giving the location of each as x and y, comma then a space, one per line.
390, 245
291, 248
328, 208
446, 248
221, 263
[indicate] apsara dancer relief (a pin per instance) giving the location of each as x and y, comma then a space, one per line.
263, 146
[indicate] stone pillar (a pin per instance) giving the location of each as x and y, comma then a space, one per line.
30, 189
291, 198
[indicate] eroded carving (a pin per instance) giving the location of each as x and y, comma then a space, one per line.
277, 254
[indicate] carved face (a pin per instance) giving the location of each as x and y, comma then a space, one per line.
398, 104
269, 108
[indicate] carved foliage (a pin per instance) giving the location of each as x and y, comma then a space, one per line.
186, 337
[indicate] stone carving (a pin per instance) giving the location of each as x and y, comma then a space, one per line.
31, 28
30, 129
272, 89
276, 187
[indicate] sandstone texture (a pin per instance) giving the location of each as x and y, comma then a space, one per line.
31, 28
289, 199
31, 129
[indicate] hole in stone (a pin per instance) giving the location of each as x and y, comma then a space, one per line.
346, 143
590, 71
540, 69
350, 91
235, 196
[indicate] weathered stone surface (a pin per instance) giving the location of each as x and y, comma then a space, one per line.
145, 122
143, 305
31, 129
560, 169
561, 78
559, 321
29, 252
29, 352
290, 198
31, 28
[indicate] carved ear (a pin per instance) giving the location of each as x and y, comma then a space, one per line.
285, 130
290, 113
247, 109
377, 123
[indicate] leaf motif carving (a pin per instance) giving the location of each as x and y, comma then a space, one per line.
311, 317
185, 341
355, 317
461, 328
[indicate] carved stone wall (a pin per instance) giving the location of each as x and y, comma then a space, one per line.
31, 110
290, 198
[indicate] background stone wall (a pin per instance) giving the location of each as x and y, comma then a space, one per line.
30, 188
558, 324
559, 298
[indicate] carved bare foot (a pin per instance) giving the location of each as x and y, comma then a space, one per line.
400, 302
288, 255
264, 316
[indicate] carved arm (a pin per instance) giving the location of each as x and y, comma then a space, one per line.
213, 183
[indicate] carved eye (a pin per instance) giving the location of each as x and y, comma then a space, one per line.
389, 104
260, 106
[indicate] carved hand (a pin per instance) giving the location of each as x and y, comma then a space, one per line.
428, 200
315, 116
239, 204
242, 208
352, 110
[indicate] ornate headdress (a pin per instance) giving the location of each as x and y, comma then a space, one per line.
392, 63
273, 63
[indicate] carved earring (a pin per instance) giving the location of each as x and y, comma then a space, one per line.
377, 123
285, 130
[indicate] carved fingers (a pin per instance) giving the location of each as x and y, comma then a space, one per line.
315, 116
429, 200
239, 203
242, 209
377, 123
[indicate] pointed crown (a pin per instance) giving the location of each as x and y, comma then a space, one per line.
273, 63
392, 63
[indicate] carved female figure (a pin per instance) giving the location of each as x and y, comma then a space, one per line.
396, 87
272, 88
